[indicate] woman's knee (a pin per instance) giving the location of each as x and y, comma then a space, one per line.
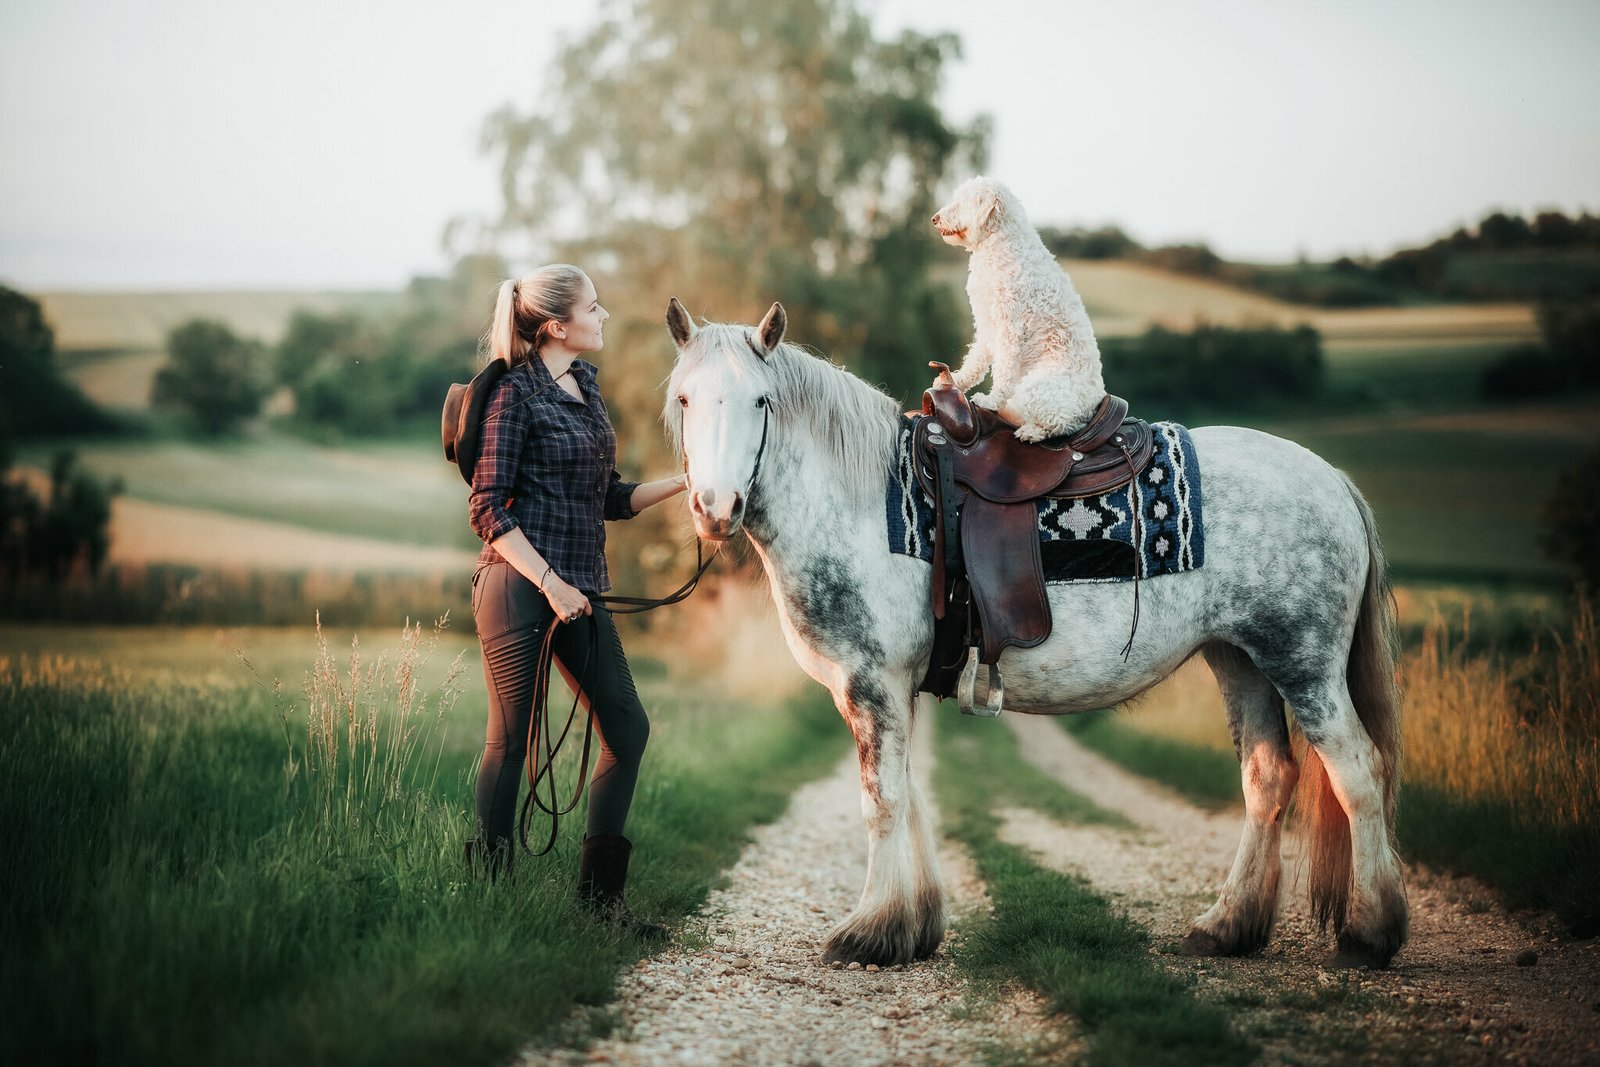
627, 738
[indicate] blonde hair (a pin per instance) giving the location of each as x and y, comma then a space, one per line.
527, 307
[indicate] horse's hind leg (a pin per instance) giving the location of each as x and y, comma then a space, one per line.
900, 916
1355, 874
1241, 920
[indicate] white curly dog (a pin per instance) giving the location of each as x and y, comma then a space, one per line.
1029, 323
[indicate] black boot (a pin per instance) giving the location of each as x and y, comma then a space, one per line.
602, 871
487, 859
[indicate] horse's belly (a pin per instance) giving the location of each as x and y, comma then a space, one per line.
1082, 666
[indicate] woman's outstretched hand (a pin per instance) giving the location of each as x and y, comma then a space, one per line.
567, 601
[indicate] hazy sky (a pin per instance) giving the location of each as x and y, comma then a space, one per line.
214, 143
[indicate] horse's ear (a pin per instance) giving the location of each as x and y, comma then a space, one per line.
771, 329
679, 324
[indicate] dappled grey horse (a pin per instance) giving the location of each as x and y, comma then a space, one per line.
1291, 605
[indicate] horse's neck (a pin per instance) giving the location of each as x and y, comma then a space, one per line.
807, 512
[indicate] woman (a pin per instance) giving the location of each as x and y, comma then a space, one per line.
544, 484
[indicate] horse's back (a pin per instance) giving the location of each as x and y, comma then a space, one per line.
1285, 563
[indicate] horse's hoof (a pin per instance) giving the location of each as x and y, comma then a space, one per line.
1199, 943
1353, 952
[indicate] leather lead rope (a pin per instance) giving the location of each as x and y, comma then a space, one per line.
542, 759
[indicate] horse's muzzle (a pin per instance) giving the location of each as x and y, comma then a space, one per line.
716, 516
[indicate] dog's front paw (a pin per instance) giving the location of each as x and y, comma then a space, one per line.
1029, 432
986, 401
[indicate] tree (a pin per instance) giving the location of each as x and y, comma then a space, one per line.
215, 376
733, 154
34, 399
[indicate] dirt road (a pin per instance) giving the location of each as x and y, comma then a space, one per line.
748, 987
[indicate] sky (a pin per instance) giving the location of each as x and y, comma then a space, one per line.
199, 144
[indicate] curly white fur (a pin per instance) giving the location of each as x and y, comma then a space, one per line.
1030, 326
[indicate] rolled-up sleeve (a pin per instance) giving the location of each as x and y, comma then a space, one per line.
619, 497
505, 435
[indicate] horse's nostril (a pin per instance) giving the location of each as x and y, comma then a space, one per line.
707, 497
738, 507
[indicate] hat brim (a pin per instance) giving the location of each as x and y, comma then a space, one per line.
462, 422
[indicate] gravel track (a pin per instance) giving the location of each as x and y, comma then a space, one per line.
1454, 994
758, 994
750, 989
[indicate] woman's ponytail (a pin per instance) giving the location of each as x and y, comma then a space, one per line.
503, 337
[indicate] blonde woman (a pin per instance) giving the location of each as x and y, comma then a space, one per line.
543, 486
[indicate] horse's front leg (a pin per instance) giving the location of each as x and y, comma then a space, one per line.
900, 916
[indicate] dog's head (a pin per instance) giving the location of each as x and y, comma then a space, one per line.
978, 208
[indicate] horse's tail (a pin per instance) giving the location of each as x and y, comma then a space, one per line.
1370, 676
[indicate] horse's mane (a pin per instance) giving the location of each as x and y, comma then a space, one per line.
853, 420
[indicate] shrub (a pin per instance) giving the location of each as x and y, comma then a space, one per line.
1570, 517
1569, 357
63, 534
214, 376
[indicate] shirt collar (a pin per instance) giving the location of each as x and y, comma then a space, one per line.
582, 370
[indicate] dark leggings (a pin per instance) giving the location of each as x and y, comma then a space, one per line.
512, 617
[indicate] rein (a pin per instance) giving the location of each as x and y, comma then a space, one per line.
541, 729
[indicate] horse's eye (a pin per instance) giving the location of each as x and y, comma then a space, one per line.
763, 400
683, 401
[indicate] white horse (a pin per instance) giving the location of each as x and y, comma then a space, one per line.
1292, 604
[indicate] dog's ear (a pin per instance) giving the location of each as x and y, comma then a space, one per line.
988, 206
679, 324
771, 329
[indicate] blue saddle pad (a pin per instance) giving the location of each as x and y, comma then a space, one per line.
1089, 539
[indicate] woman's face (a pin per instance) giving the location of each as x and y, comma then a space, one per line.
585, 324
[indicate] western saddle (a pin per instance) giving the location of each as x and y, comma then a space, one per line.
988, 579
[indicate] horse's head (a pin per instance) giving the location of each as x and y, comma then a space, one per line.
718, 412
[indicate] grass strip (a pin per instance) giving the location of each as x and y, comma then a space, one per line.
1206, 777
175, 893
1052, 932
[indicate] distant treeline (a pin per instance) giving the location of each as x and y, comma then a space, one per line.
1213, 367
1551, 256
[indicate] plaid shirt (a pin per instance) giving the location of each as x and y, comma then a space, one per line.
547, 463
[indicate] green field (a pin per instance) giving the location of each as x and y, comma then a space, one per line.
191, 880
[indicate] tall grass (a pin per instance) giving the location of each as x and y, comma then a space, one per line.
368, 727
201, 873
1503, 764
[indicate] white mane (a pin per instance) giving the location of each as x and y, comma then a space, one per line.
855, 422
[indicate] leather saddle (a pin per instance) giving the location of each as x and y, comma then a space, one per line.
988, 578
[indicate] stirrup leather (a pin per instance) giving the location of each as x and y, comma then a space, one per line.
995, 695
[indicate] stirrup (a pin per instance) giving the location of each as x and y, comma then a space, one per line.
969, 681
